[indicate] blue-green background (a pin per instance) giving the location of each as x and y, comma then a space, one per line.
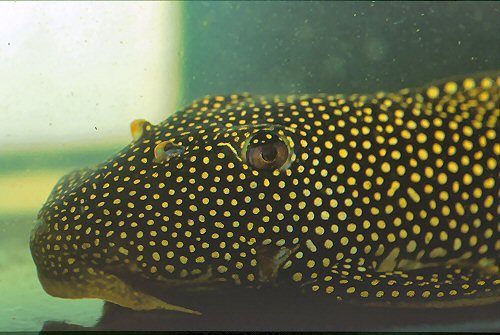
282, 47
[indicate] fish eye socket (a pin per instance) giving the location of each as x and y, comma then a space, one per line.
266, 151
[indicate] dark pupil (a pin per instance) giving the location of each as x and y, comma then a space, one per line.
269, 152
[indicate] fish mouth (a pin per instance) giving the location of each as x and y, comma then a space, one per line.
90, 281
106, 287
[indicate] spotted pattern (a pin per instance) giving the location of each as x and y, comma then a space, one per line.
381, 199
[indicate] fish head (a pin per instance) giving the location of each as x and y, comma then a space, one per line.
196, 198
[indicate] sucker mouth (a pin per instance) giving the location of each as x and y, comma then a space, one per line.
91, 282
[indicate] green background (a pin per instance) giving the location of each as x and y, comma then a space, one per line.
286, 47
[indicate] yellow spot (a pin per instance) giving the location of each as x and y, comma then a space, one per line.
484, 96
453, 167
422, 154
411, 246
438, 252
467, 179
325, 215
439, 135
428, 237
122, 250
442, 178
486, 83
443, 236
386, 168
450, 87
310, 245
477, 169
319, 230
433, 92
491, 163
421, 138
413, 194
469, 84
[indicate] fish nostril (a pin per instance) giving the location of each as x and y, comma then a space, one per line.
167, 150
139, 127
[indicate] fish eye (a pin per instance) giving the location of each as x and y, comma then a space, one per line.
266, 151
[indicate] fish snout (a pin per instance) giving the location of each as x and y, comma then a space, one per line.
51, 236
39, 229
40, 252
54, 261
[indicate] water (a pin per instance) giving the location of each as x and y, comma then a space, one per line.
335, 47
264, 48
25, 180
